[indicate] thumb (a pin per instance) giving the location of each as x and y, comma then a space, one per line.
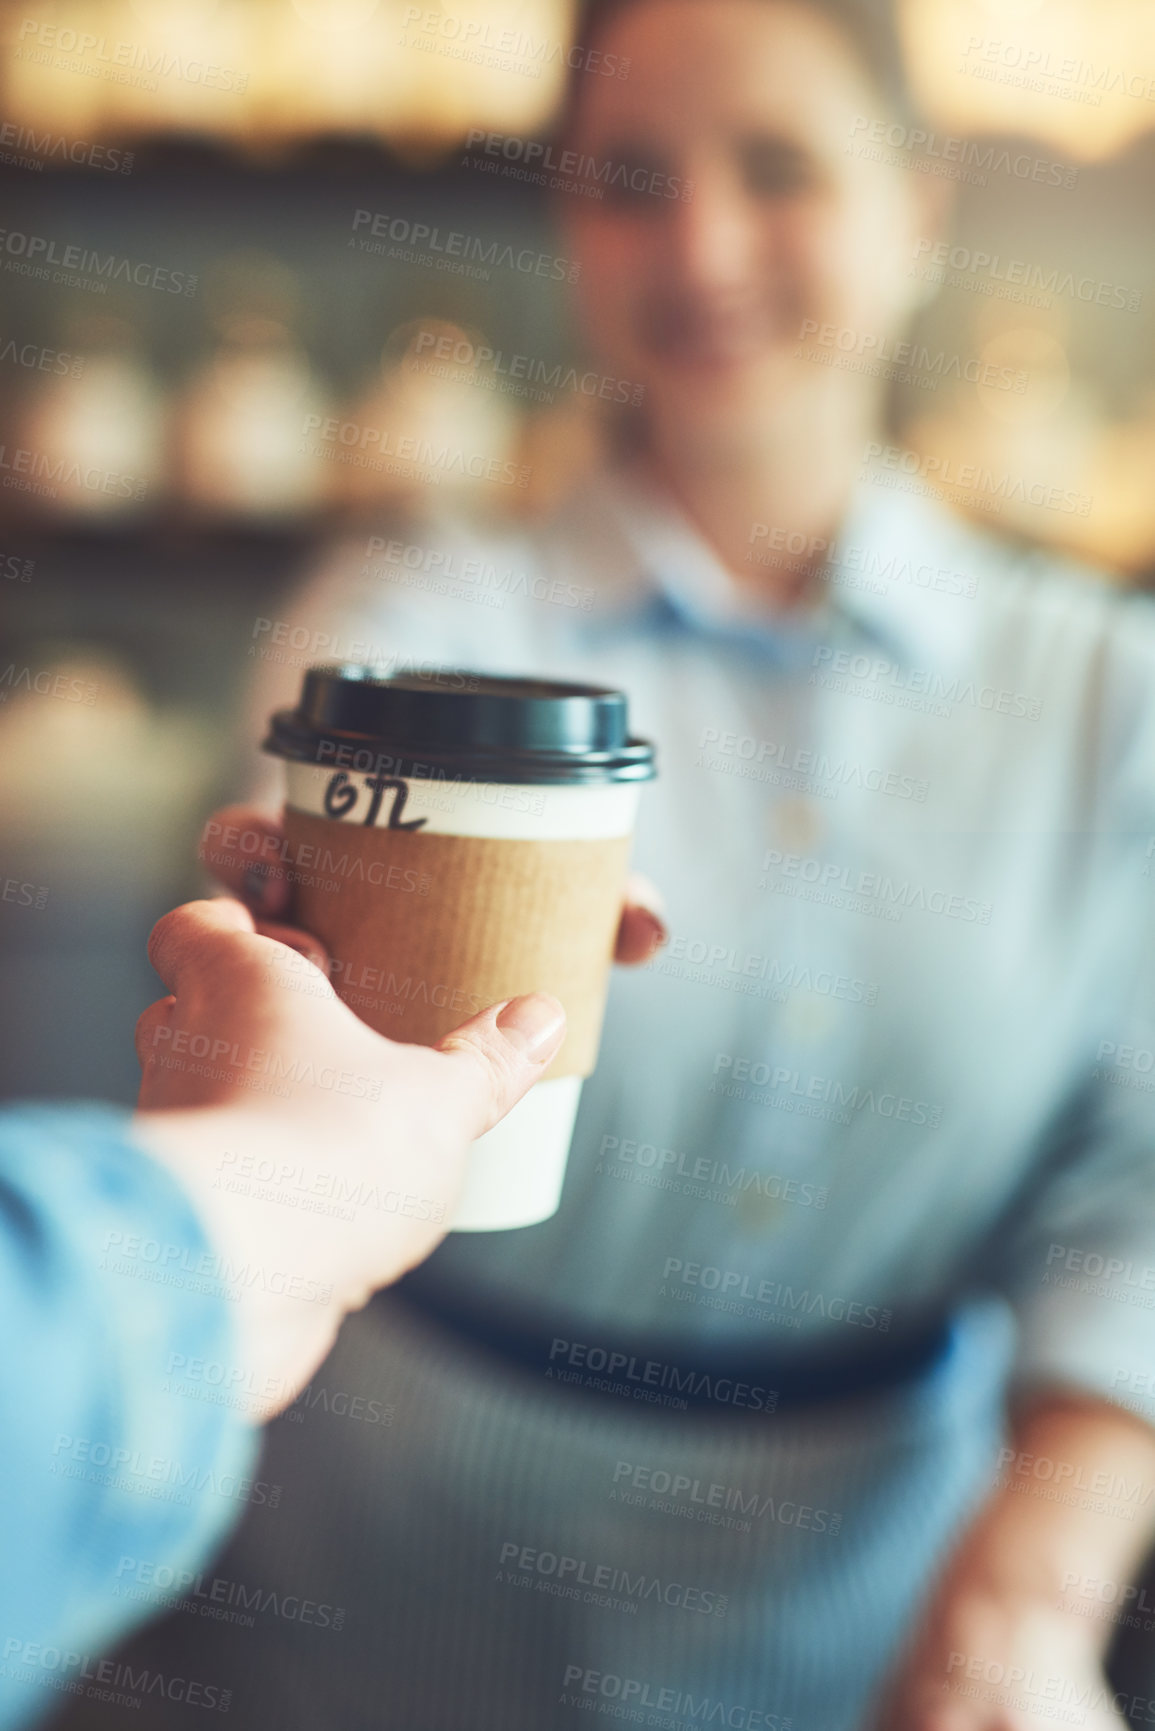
491, 1061
946, 1716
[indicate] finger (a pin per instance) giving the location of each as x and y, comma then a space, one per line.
148, 1024
194, 937
491, 1061
243, 847
642, 930
294, 938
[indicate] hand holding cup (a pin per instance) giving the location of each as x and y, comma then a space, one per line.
264, 1093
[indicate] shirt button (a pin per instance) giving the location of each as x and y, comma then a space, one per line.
757, 1211
796, 824
809, 1019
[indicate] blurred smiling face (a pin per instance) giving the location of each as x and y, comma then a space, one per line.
703, 298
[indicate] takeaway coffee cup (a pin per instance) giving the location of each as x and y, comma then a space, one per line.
456, 840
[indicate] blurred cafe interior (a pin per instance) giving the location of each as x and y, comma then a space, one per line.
236, 153
228, 225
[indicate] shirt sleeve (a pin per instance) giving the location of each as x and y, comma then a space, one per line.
1084, 1283
1083, 1244
108, 1287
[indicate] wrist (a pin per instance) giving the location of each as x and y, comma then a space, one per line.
286, 1284
1018, 1562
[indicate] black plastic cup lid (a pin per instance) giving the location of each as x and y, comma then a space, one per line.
452, 722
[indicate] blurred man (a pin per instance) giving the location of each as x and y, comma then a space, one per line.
746, 1434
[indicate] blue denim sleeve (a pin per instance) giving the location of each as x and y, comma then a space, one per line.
110, 1474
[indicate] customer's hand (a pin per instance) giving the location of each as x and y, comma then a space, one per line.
243, 847
319, 1154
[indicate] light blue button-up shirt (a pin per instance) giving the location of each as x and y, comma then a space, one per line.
110, 1474
900, 1046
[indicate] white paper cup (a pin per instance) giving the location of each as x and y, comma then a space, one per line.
441, 885
516, 1171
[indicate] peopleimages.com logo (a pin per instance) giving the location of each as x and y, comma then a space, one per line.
66, 49
22, 147
913, 362
29, 471
652, 1380
948, 156
453, 250
454, 357
84, 266
73, 1673
712, 1503
510, 49
584, 1685
220, 1598
574, 1572
535, 160
953, 264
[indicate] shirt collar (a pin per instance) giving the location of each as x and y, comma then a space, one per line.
907, 570
903, 573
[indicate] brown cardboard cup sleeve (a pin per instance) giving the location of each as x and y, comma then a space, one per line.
427, 929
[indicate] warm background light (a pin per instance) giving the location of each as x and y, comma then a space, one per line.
204, 400
260, 71
1077, 73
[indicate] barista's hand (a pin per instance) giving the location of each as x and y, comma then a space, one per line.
1006, 1642
994, 1661
242, 847
324, 1159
